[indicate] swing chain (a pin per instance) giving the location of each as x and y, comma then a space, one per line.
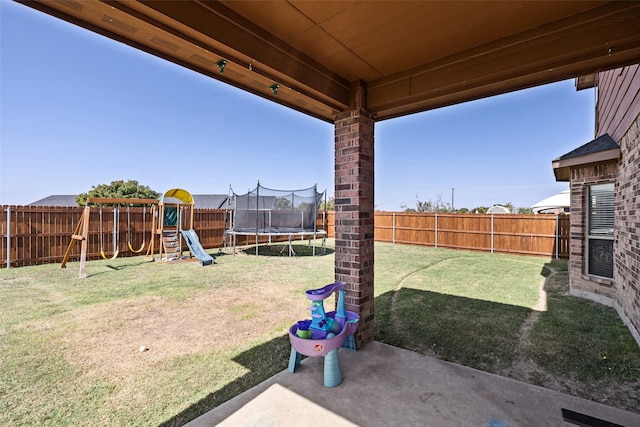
144, 216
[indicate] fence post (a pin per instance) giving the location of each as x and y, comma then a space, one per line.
491, 233
8, 236
436, 238
324, 221
557, 232
393, 228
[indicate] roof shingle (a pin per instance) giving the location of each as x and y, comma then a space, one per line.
601, 143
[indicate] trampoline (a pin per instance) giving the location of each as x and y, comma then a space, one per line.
265, 212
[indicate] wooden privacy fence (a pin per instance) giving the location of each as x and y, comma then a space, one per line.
543, 235
37, 235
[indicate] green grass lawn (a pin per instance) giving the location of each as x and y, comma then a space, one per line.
464, 307
70, 348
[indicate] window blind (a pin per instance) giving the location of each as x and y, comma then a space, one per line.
601, 209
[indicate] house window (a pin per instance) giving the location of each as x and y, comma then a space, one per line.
600, 230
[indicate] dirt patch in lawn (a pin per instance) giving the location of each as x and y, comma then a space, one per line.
123, 337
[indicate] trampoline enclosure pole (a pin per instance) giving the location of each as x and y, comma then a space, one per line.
257, 217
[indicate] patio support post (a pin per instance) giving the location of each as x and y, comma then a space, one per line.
354, 206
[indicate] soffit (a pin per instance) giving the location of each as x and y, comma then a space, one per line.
411, 56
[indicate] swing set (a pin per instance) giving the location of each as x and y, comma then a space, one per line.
81, 232
116, 235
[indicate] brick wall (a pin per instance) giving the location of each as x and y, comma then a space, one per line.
354, 216
623, 292
627, 216
601, 290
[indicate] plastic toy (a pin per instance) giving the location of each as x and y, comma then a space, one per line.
325, 333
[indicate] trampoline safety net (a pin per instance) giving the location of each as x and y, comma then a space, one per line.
268, 211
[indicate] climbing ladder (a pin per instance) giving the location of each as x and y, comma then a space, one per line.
171, 245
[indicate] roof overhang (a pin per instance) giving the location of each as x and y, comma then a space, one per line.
562, 167
407, 56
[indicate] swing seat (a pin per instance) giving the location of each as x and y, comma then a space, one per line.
136, 251
115, 254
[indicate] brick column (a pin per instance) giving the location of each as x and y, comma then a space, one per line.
354, 215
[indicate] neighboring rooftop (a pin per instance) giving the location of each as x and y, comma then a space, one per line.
56, 200
201, 201
210, 201
556, 204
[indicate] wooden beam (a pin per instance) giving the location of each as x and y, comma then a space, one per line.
120, 201
74, 236
84, 244
271, 57
110, 19
603, 38
598, 39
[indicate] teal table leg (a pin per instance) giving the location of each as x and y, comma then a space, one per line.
349, 343
294, 360
332, 373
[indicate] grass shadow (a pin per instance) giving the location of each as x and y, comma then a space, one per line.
575, 346
583, 348
262, 361
118, 267
585, 345
282, 250
475, 333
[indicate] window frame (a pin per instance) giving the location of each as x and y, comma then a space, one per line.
590, 236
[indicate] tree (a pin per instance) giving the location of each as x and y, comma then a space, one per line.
118, 189
405, 208
437, 205
513, 209
330, 205
283, 204
510, 206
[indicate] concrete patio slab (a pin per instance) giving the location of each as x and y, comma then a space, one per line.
387, 386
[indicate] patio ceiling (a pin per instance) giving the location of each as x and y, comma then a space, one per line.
410, 56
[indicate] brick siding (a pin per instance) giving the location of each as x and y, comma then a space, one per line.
580, 283
627, 217
623, 291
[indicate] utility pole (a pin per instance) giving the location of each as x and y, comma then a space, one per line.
452, 208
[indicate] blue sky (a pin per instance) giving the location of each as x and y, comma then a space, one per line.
78, 109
